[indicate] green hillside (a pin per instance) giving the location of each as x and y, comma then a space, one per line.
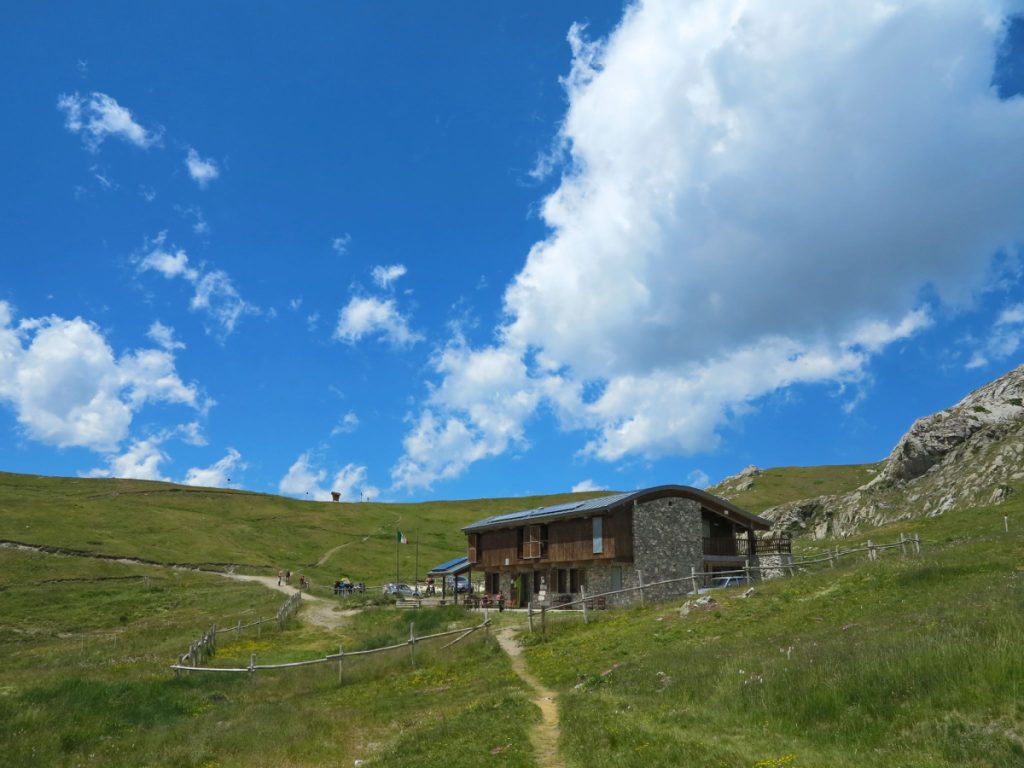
257, 533
907, 661
781, 484
912, 662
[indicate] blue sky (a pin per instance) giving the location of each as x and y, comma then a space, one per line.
464, 250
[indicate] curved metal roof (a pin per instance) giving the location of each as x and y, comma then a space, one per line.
604, 503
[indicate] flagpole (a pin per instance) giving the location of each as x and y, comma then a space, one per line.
398, 536
417, 576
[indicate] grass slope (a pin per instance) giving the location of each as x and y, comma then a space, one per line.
782, 484
260, 533
85, 681
910, 663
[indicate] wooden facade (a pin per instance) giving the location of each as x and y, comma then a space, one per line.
557, 543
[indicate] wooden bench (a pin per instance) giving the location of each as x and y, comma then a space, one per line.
410, 603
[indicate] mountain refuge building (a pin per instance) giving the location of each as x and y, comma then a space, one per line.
551, 555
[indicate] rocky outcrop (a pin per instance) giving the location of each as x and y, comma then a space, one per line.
966, 455
994, 409
742, 481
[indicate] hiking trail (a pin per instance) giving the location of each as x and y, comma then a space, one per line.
544, 735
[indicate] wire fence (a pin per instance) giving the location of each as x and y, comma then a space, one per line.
538, 616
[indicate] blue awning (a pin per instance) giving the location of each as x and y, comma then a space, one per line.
451, 568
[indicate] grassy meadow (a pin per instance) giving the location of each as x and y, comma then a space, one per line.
782, 484
256, 533
904, 662
85, 647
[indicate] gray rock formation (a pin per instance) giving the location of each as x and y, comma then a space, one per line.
966, 455
742, 481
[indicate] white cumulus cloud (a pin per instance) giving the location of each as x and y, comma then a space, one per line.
340, 244
754, 196
349, 423
98, 116
140, 461
1005, 338
386, 276
164, 336
214, 291
304, 480
218, 474
369, 316
202, 170
67, 387
587, 485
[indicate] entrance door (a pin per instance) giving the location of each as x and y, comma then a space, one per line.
525, 590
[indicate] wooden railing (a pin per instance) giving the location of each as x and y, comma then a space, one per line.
728, 546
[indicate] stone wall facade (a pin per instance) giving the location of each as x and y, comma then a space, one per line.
667, 543
772, 566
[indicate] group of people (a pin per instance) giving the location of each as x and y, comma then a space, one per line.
285, 577
344, 586
499, 600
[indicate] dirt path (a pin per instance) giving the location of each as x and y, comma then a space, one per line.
330, 552
544, 735
315, 610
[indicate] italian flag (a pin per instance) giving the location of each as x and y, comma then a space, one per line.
402, 539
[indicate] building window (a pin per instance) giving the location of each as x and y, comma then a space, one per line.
598, 529
535, 542
563, 580
616, 577
575, 579
474, 548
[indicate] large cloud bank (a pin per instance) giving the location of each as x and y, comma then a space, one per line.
754, 195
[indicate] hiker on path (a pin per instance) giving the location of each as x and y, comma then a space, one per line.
280, 578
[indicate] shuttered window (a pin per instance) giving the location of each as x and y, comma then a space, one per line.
533, 542
474, 541
598, 530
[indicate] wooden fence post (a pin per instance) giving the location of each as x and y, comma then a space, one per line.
917, 543
871, 550
543, 619
259, 628
640, 578
529, 615
693, 578
1006, 523
903, 545
412, 643
583, 598
252, 663
831, 559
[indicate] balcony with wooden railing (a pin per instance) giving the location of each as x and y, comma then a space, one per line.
727, 546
